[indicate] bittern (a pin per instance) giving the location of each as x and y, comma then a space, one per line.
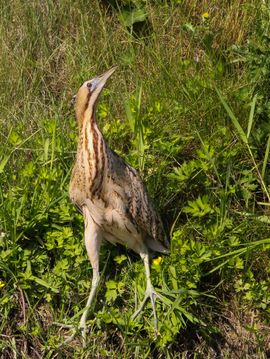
111, 196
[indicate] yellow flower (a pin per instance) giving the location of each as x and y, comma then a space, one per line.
2, 284
157, 261
205, 15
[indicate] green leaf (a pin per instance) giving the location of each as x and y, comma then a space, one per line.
14, 138
46, 149
3, 163
173, 277
44, 284
188, 26
128, 18
199, 208
130, 115
120, 259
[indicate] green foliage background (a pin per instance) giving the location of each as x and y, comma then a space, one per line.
190, 108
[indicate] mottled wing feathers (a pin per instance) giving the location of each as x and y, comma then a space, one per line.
139, 205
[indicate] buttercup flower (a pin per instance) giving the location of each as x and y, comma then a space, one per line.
157, 261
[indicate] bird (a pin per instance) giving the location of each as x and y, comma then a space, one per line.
112, 197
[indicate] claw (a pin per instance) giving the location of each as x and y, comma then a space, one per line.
71, 337
81, 330
151, 294
75, 330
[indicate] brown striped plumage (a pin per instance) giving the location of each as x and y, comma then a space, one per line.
110, 194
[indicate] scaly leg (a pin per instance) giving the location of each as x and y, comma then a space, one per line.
149, 292
93, 238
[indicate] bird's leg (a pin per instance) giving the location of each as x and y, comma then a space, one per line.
92, 237
149, 292
82, 324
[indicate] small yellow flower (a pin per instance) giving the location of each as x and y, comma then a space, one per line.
2, 284
157, 261
205, 15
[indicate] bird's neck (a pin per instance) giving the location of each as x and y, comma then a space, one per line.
92, 149
89, 134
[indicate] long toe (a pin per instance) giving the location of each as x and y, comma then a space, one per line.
71, 337
77, 331
142, 305
151, 294
71, 328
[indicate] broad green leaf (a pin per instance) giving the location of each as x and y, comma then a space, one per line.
128, 18
173, 277
44, 284
46, 149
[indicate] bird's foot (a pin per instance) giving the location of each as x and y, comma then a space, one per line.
151, 294
72, 336
81, 329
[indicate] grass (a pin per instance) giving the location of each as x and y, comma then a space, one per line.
189, 107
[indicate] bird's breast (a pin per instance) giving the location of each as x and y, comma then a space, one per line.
87, 179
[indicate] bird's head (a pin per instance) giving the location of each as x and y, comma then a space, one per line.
88, 93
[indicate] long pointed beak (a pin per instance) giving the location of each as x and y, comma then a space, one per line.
97, 83
101, 80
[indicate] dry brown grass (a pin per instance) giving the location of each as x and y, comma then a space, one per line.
240, 334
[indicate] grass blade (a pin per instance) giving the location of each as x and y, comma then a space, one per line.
3, 163
266, 155
233, 118
251, 115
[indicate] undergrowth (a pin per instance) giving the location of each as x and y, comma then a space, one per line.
188, 107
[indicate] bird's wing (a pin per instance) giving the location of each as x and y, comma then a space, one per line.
139, 206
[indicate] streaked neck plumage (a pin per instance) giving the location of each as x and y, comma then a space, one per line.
92, 150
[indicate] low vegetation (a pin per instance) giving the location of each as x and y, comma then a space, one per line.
189, 107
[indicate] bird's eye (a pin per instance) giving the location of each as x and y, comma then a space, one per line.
89, 85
